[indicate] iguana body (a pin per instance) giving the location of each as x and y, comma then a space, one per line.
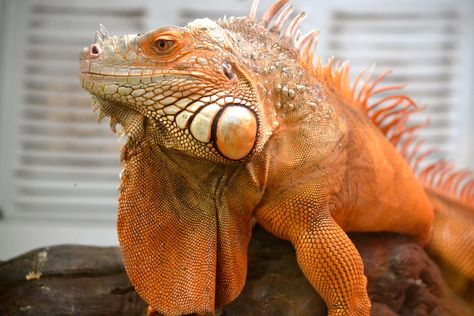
227, 121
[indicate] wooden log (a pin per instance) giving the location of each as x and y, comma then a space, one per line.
84, 280
67, 280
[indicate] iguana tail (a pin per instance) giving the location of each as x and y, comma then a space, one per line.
453, 232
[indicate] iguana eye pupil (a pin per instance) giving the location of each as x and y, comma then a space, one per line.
163, 45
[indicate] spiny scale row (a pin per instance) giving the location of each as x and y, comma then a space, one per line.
279, 13
391, 114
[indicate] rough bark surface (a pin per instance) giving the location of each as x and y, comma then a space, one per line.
83, 280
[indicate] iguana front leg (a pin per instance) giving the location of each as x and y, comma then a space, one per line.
326, 255
333, 266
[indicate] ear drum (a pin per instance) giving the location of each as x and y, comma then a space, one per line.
235, 131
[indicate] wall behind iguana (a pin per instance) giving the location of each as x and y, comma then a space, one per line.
59, 169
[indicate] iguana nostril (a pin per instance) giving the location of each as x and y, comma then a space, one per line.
94, 50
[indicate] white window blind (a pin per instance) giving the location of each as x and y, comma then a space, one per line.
62, 163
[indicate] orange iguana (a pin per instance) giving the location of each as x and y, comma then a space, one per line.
231, 120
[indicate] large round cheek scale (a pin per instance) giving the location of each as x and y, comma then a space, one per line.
236, 132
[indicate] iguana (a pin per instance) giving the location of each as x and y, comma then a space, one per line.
232, 120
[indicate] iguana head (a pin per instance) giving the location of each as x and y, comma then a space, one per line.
210, 89
192, 88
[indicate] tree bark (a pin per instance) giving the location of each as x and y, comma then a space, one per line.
84, 280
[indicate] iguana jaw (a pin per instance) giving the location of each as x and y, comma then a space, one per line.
131, 124
126, 115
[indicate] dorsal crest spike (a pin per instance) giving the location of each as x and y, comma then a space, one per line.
253, 10
301, 42
272, 11
307, 48
281, 19
312, 47
296, 37
293, 26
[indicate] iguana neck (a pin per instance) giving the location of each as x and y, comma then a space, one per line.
185, 223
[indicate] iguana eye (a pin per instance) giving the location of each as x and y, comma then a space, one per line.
163, 45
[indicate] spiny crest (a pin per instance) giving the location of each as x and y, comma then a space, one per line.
275, 20
391, 114
442, 177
